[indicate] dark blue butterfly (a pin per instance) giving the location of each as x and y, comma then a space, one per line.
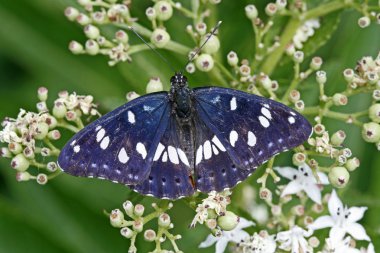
170, 144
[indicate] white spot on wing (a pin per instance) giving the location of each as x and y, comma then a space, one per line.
165, 157
198, 157
291, 120
131, 117
217, 142
123, 156
264, 121
173, 155
207, 150
251, 139
105, 142
215, 99
100, 135
233, 103
233, 137
293, 113
73, 142
76, 148
183, 157
140, 148
148, 108
98, 128
159, 150
215, 150
266, 105
266, 113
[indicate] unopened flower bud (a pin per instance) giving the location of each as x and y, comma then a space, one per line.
138, 226
51, 121
348, 74
20, 162
42, 179
342, 159
298, 210
164, 220
339, 176
211, 223
42, 93
265, 81
150, 235
122, 36
54, 135
5, 152
245, 70
154, 85
251, 11
91, 31
352, 164
232, 59
116, 218
41, 106
281, 4
376, 95
83, 19
317, 208
338, 138
271, 9
41, 130
160, 38
276, 210
299, 159
92, 47
321, 77
71, 13
190, 68
84, 2
316, 63
212, 45
229, 221
374, 113
99, 17
265, 194
15, 148
319, 129
314, 242
298, 56
290, 49
132, 95
52, 166
126, 232
340, 99
151, 13
164, 10
45, 152
201, 28
139, 210
22, 176
128, 208
300, 105
75, 47
28, 153
308, 220
371, 132
204, 62
363, 22
294, 96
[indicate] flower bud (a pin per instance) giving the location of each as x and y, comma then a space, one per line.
91, 31
54, 135
99, 17
132, 95
374, 113
42, 107
71, 13
342, 159
122, 36
308, 220
42, 179
45, 152
340, 99
4, 152
290, 49
211, 223
92, 47
265, 194
298, 210
76, 47
59, 110
319, 129
150, 235
212, 45
314, 242
190, 68
232, 58
116, 218
22, 176
339, 176
281, 4
41, 130
154, 85
164, 10
29, 153
201, 28
160, 38
294, 96
316, 63
300, 105
126, 232
276, 210
138, 226
265, 81
139, 210
338, 138
348, 75
42, 93
352, 164
229, 221
299, 159
164, 220
321, 77
376, 95
363, 22
84, 2
298, 56
244, 70
128, 208
271, 9
204, 62
251, 11
151, 13
15, 148
371, 132
317, 208
83, 19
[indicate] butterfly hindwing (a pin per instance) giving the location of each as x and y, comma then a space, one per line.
251, 128
120, 145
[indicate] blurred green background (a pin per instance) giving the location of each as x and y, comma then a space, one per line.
66, 214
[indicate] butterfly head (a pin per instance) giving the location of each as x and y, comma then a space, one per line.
178, 80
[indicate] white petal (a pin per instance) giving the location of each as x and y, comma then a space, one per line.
221, 246
337, 233
371, 248
239, 235
314, 193
210, 240
334, 205
244, 223
287, 172
356, 213
291, 188
322, 222
357, 231
323, 179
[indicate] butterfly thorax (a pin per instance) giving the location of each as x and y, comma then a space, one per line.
180, 96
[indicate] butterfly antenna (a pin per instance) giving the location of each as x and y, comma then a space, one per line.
204, 43
152, 48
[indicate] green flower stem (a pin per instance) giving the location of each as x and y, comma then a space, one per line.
312, 110
324, 9
67, 126
54, 174
51, 146
216, 76
172, 239
79, 123
138, 48
195, 7
185, 11
225, 71
343, 117
37, 164
293, 85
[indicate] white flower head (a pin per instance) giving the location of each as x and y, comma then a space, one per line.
302, 179
342, 220
339, 246
236, 235
294, 240
304, 32
258, 243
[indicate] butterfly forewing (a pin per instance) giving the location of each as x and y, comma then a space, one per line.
251, 128
120, 145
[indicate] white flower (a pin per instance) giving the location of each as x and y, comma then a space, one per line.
304, 32
339, 246
258, 243
119, 53
294, 240
236, 235
342, 220
370, 249
302, 180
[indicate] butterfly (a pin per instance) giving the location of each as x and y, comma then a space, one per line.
171, 144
